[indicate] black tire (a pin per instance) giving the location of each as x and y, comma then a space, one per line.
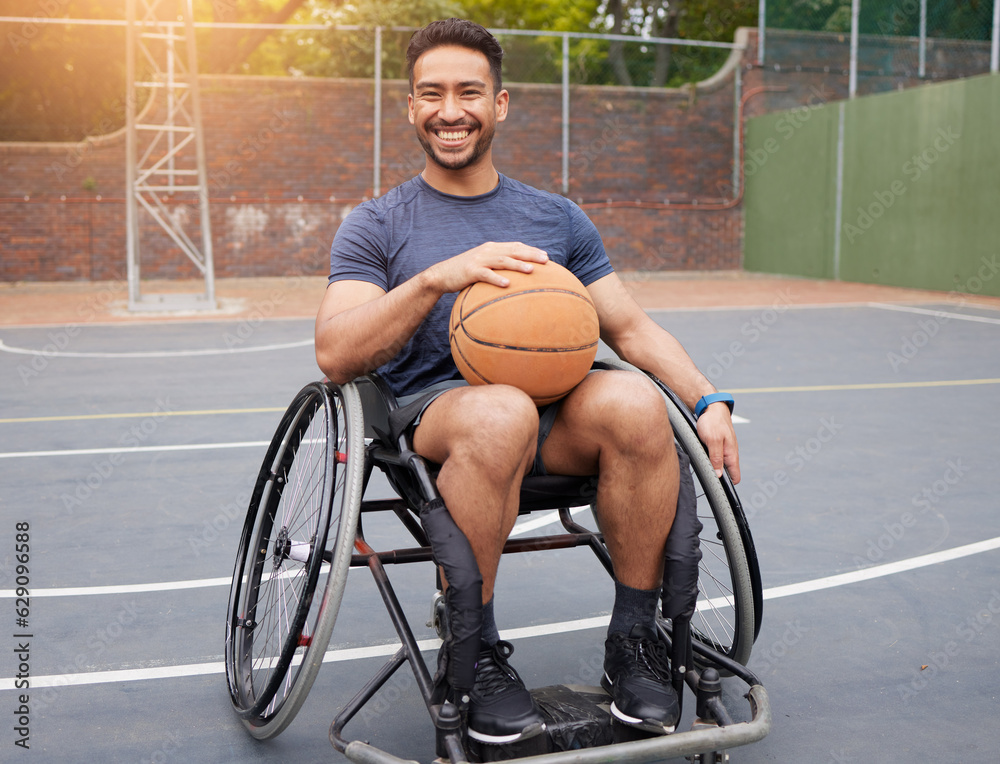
299, 533
727, 618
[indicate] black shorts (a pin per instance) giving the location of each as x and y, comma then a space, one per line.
409, 408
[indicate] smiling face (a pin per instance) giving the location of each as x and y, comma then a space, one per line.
454, 109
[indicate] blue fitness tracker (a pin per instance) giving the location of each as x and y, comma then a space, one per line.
707, 400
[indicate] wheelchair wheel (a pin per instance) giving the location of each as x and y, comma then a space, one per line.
728, 610
725, 619
299, 532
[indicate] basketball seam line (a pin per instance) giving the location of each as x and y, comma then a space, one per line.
526, 348
502, 297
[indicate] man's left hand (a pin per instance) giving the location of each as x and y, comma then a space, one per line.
715, 428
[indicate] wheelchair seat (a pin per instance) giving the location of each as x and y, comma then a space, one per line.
305, 529
538, 492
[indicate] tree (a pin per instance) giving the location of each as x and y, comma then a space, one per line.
226, 50
346, 52
58, 83
658, 65
63, 82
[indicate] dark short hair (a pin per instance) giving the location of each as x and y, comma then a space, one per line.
461, 32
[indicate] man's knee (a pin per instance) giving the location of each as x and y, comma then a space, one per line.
494, 418
626, 395
634, 412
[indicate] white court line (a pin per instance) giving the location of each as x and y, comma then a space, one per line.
183, 447
888, 569
202, 583
816, 584
153, 353
526, 526
936, 313
135, 449
165, 586
197, 669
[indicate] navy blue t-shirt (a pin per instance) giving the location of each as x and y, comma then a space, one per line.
388, 240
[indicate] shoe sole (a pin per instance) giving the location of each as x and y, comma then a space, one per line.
647, 725
528, 732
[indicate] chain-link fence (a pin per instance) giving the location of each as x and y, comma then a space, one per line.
881, 45
531, 56
77, 84
642, 69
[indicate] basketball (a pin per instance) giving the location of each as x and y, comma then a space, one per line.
538, 334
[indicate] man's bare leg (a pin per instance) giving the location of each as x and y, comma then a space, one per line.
484, 438
615, 424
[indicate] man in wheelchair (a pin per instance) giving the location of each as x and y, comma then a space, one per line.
397, 262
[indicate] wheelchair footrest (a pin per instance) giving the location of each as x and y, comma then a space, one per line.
576, 717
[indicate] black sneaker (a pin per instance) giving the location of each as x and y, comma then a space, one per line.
637, 676
501, 709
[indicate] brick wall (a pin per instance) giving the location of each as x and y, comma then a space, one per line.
288, 158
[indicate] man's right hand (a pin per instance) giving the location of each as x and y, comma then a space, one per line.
483, 263
359, 326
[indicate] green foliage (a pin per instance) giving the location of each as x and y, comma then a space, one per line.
807, 15
61, 83
956, 19
347, 53
547, 15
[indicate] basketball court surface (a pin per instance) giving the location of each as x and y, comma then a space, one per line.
128, 449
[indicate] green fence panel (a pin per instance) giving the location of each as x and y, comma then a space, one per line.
922, 186
920, 193
789, 166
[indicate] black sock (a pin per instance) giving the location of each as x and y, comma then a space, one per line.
633, 606
491, 635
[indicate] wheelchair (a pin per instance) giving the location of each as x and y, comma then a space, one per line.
305, 529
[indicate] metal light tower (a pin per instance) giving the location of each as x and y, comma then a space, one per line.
166, 173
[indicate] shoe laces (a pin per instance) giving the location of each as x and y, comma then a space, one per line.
650, 657
493, 673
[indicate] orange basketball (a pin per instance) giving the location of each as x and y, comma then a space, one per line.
539, 333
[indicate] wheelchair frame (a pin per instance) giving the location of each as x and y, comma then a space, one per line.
306, 514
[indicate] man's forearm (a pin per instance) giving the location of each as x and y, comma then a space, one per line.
656, 350
353, 342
